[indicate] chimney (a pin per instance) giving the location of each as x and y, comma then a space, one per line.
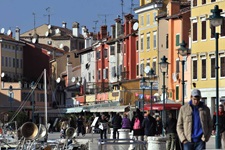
75, 29
64, 24
113, 31
118, 27
103, 31
69, 69
17, 34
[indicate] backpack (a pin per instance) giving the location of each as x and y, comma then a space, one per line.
137, 124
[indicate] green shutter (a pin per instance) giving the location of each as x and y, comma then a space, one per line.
177, 39
177, 93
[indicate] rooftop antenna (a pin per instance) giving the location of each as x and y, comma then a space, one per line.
48, 14
96, 21
122, 11
105, 15
34, 22
131, 6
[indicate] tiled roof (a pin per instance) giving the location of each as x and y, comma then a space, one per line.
7, 38
182, 11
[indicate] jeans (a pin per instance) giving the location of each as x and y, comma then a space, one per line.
103, 132
115, 131
194, 145
171, 142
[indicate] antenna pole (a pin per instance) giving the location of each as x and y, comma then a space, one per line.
131, 7
49, 16
122, 10
34, 22
96, 21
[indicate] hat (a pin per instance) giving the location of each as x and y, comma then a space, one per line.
196, 93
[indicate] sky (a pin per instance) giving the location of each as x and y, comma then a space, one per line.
23, 13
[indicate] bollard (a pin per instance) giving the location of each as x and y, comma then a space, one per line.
124, 134
157, 142
131, 147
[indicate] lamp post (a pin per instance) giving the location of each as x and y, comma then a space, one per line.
183, 51
143, 85
216, 20
151, 74
32, 86
10, 96
164, 69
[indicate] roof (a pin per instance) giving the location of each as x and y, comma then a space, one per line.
83, 51
8, 38
178, 15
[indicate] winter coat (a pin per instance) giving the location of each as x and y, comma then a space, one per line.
126, 123
185, 122
149, 125
117, 122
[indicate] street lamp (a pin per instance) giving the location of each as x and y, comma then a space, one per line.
216, 20
164, 69
10, 96
152, 75
32, 86
183, 52
143, 86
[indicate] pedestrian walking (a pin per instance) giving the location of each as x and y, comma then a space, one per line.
171, 132
80, 126
149, 125
116, 124
136, 125
126, 123
194, 124
103, 126
221, 125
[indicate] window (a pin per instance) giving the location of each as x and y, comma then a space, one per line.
137, 69
142, 69
9, 61
113, 71
213, 30
99, 74
106, 73
89, 76
177, 92
154, 65
105, 53
6, 61
203, 68
178, 40
148, 19
137, 45
21, 63
148, 41
17, 63
177, 66
142, 20
195, 65
98, 56
203, 30
185, 89
194, 3
2, 61
222, 66
148, 64
213, 0
155, 39
89, 57
195, 31
213, 75
154, 15
14, 63
203, 1
222, 28
167, 40
142, 43
118, 48
112, 50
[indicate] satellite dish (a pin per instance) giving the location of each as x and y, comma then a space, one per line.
57, 31
58, 80
46, 33
61, 46
34, 40
49, 42
3, 30
9, 32
49, 26
147, 69
135, 26
3, 74
73, 79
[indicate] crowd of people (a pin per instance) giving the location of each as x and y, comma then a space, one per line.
191, 130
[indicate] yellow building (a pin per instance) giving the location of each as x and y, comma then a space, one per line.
203, 51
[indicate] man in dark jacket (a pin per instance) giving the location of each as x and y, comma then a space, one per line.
149, 125
171, 132
116, 123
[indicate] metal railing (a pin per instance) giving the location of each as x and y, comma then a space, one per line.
121, 144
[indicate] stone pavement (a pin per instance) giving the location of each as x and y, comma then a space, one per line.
93, 142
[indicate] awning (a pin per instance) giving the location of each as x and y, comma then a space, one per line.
74, 110
169, 105
111, 109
